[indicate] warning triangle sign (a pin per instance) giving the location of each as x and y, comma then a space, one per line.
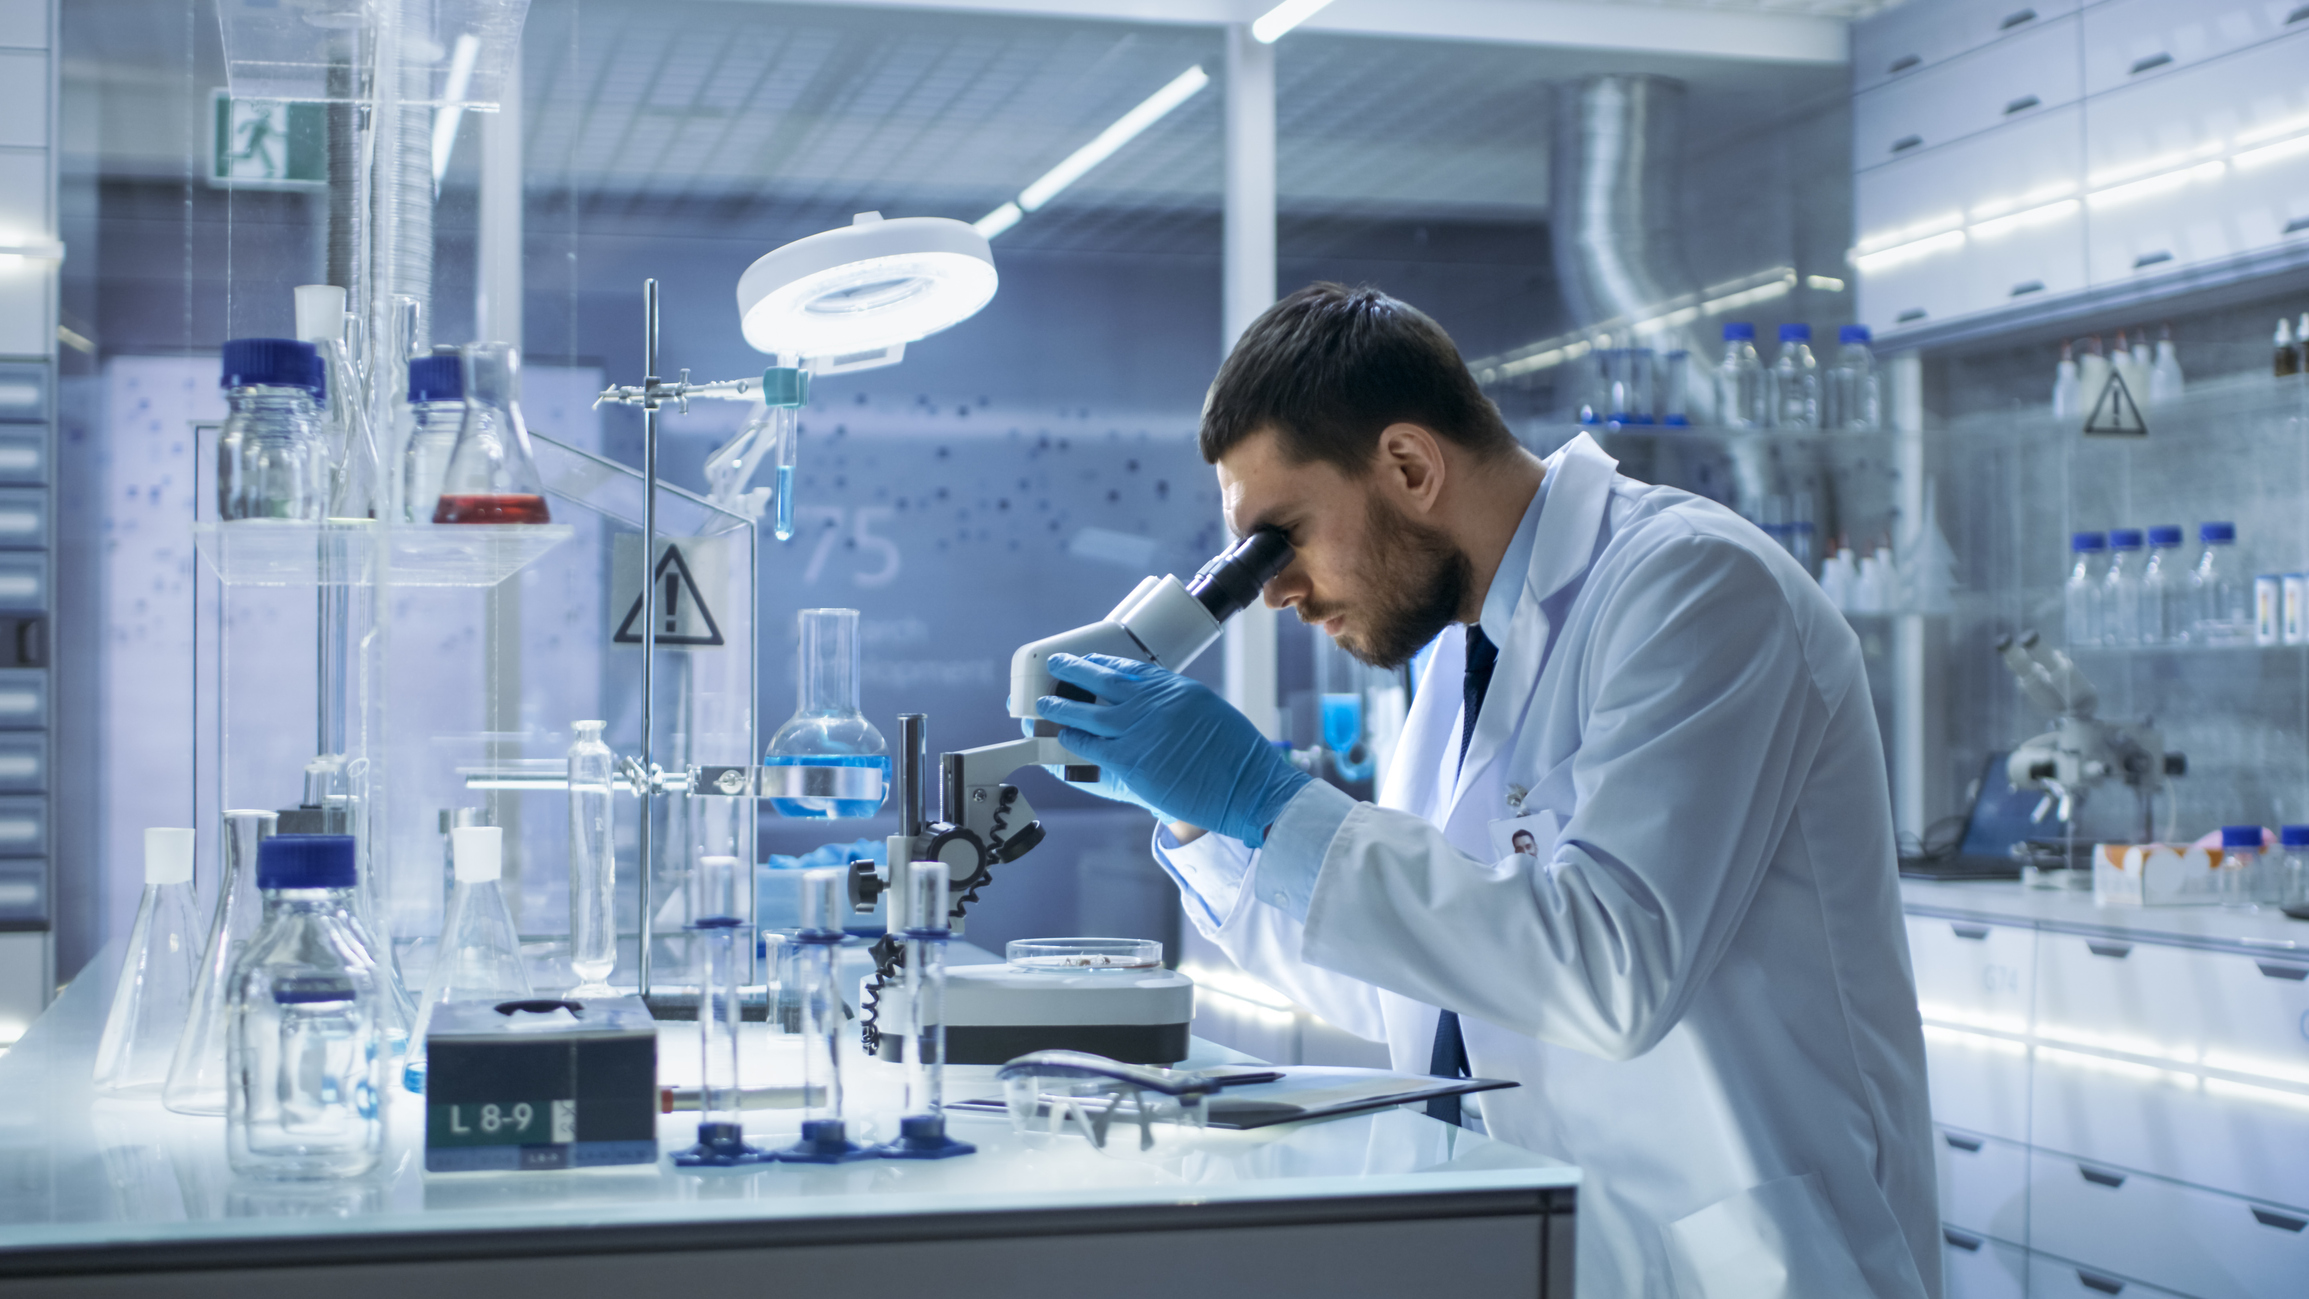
682, 615
2116, 412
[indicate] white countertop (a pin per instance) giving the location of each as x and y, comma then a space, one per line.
2239, 929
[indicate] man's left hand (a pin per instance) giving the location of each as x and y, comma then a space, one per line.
1175, 743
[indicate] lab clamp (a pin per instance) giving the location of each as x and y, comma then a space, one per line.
2080, 751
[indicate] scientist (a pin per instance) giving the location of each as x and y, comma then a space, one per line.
1698, 973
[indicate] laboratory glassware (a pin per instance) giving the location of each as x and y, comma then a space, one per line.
2269, 609
479, 958
2287, 361
1063, 1089
2165, 380
1794, 381
592, 861
2164, 589
923, 925
2120, 605
825, 1134
453, 819
436, 416
305, 1059
2092, 368
2081, 595
1740, 379
773, 429
1852, 398
1675, 389
2240, 864
492, 476
356, 486
156, 979
196, 1073
271, 461
845, 763
2293, 882
2221, 598
721, 1139
2066, 390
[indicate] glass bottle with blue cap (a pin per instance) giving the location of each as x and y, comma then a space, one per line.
271, 461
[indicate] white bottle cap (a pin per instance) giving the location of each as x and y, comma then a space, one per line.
479, 851
320, 313
167, 856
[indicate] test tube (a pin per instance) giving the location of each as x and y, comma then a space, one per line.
721, 1127
922, 923
825, 1137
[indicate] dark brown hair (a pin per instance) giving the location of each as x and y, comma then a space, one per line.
1330, 367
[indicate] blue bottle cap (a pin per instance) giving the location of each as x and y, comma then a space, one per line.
2293, 836
1739, 329
1854, 334
2240, 836
2216, 533
437, 378
2165, 535
2087, 543
785, 386
1795, 333
271, 363
306, 861
2124, 538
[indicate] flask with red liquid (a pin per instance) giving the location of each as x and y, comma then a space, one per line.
492, 477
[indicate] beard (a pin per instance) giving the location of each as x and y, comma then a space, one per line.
1413, 582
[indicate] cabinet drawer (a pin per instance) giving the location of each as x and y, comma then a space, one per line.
2199, 1242
2007, 82
23, 390
23, 518
23, 582
2230, 1011
23, 699
1974, 1267
2249, 1141
1972, 973
23, 453
2127, 42
1914, 37
1983, 1184
23, 890
1979, 1083
2060, 1278
23, 762
23, 825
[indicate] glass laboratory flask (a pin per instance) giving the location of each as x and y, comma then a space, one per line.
271, 462
356, 485
480, 954
156, 979
592, 861
436, 415
845, 764
196, 1073
305, 1052
492, 478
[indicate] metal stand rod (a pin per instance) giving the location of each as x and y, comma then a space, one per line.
648, 619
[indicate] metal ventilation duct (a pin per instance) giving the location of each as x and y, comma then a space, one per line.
1612, 197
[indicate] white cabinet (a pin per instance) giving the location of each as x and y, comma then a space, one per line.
2008, 81
2210, 1245
1983, 1184
1979, 1081
1973, 973
2060, 1278
2127, 41
2246, 1015
1909, 39
1973, 1266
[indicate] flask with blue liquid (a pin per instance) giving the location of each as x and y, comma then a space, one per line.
844, 765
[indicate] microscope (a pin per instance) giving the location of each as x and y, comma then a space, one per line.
2080, 750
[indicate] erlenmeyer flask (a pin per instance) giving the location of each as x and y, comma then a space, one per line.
844, 764
492, 477
196, 1074
480, 954
149, 1006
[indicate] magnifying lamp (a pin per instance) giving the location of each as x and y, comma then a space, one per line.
854, 296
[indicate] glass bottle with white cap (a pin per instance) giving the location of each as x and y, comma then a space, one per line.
156, 978
479, 958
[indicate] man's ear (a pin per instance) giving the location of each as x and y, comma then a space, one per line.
1411, 467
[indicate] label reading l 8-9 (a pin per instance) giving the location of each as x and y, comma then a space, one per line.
501, 1123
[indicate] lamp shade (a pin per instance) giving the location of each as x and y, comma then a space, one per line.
865, 287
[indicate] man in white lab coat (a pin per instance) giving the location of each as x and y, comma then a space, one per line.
1699, 977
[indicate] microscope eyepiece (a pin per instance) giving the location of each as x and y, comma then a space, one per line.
1231, 581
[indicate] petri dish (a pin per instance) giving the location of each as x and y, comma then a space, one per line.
1073, 955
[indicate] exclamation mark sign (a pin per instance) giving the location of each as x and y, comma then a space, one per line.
672, 593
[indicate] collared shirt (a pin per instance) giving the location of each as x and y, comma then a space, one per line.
1297, 842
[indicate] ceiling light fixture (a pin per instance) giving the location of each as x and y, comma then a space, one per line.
1270, 26
1125, 129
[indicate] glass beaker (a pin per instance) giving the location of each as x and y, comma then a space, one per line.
196, 1074
592, 861
271, 462
492, 478
844, 766
156, 978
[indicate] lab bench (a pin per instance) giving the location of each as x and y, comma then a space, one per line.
2121, 1094
102, 1196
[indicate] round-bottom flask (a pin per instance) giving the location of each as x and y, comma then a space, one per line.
839, 763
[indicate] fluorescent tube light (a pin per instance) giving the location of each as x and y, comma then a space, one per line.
1126, 128
997, 221
1270, 26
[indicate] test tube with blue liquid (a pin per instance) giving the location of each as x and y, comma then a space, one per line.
828, 760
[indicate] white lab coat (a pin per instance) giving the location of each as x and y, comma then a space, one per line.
1701, 982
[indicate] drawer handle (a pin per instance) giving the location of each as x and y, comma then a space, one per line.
2296, 973
2020, 104
1907, 61
2104, 1284
2298, 224
2032, 286
2114, 951
2016, 18
1965, 1241
2297, 15
2153, 61
2151, 259
1975, 932
2101, 1177
1969, 1145
1906, 142
2281, 1221
1913, 313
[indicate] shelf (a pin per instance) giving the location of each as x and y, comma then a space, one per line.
266, 552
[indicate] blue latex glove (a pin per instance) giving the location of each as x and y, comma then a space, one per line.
1174, 743
1109, 784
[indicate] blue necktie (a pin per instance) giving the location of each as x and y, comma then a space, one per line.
1449, 1058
